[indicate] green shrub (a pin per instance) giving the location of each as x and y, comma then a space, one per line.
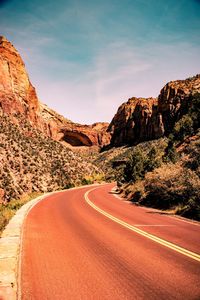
173, 186
153, 160
194, 110
183, 128
135, 167
171, 154
69, 186
139, 163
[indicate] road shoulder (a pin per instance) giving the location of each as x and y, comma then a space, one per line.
10, 248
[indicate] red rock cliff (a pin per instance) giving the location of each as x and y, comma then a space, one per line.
18, 99
17, 95
136, 120
173, 100
141, 119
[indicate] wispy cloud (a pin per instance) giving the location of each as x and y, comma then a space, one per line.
87, 57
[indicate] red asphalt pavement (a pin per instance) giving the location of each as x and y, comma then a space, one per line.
71, 251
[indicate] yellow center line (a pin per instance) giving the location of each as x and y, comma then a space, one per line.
152, 237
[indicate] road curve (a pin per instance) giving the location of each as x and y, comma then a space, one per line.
72, 251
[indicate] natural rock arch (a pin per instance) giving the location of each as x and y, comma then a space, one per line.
75, 138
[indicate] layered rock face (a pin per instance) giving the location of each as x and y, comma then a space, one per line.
141, 119
136, 120
19, 100
85, 135
32, 162
65, 131
17, 95
174, 100
31, 158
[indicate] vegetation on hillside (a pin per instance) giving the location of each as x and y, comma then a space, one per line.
31, 162
163, 173
8, 209
169, 179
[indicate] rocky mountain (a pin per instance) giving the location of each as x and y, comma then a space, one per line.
33, 138
136, 120
36, 142
32, 162
141, 119
17, 95
175, 99
19, 100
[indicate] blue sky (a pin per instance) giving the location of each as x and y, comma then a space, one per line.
87, 57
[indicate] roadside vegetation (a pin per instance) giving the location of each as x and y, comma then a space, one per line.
168, 179
8, 209
94, 178
163, 173
31, 162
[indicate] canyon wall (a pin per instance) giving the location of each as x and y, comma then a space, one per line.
19, 100
142, 119
138, 119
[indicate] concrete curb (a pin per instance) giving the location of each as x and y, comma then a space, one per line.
10, 248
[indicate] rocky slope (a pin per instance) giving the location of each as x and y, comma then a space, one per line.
33, 138
136, 120
141, 119
163, 173
17, 95
174, 100
31, 162
18, 98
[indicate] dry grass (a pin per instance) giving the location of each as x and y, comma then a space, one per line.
94, 178
36, 163
7, 210
134, 192
170, 187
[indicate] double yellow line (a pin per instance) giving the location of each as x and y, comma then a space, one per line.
152, 237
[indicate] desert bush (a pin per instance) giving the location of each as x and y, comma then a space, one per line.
173, 186
139, 163
194, 110
153, 160
93, 178
134, 167
188, 125
8, 209
134, 192
171, 154
193, 152
183, 128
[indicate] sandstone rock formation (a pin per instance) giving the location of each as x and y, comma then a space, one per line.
136, 120
36, 163
85, 135
19, 100
174, 100
17, 95
141, 119
32, 157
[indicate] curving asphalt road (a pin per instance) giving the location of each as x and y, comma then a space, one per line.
88, 244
